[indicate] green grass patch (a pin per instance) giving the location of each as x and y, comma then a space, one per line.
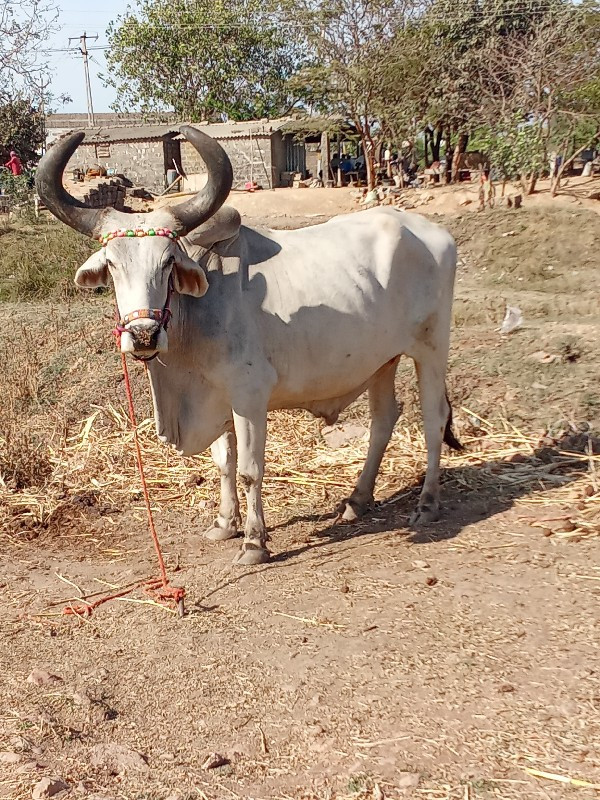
38, 261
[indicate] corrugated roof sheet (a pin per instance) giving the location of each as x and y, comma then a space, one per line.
218, 130
129, 133
241, 130
79, 121
310, 125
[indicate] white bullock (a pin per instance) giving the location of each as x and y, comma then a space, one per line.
246, 320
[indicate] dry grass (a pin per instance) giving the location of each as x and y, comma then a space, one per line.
94, 468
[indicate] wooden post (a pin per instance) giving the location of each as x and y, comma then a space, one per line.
325, 157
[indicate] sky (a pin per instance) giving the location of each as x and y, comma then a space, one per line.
67, 76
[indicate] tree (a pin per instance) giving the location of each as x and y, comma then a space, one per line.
23, 25
540, 91
21, 129
436, 66
345, 40
204, 59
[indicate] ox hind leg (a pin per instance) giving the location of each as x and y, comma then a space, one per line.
437, 418
224, 454
384, 415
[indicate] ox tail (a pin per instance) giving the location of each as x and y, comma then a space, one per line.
449, 437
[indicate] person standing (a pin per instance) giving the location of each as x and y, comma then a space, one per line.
14, 164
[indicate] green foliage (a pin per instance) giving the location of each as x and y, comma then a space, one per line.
494, 62
206, 60
21, 129
345, 41
19, 187
519, 149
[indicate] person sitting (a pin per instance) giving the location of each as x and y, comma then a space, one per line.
346, 164
14, 164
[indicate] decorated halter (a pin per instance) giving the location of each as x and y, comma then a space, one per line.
132, 233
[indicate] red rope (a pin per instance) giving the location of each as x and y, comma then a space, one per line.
138, 453
160, 588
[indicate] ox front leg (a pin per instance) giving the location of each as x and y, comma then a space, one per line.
431, 377
251, 431
224, 453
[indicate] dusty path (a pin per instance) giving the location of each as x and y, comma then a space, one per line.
456, 658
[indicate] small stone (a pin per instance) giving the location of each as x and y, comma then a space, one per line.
48, 787
214, 760
82, 698
506, 688
345, 589
431, 580
588, 491
117, 758
518, 458
40, 677
565, 527
407, 780
100, 797
29, 766
195, 479
342, 434
418, 564
546, 531
6, 757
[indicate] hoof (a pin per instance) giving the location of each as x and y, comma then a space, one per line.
423, 516
216, 533
251, 557
350, 510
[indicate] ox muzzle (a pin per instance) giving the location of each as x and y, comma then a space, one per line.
143, 332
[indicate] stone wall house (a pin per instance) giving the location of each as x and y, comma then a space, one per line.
261, 152
143, 154
264, 152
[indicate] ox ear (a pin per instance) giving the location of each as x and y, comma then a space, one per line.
94, 273
188, 276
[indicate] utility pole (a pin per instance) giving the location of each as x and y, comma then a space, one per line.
42, 110
88, 87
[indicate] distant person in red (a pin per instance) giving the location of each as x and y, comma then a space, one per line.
14, 164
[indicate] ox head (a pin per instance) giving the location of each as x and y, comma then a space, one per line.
140, 252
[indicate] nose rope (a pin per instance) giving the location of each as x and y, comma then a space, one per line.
159, 588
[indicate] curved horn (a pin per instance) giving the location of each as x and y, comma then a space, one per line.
49, 185
220, 177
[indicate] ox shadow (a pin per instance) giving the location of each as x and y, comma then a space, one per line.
469, 495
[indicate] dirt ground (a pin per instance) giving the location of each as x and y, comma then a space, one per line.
458, 662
